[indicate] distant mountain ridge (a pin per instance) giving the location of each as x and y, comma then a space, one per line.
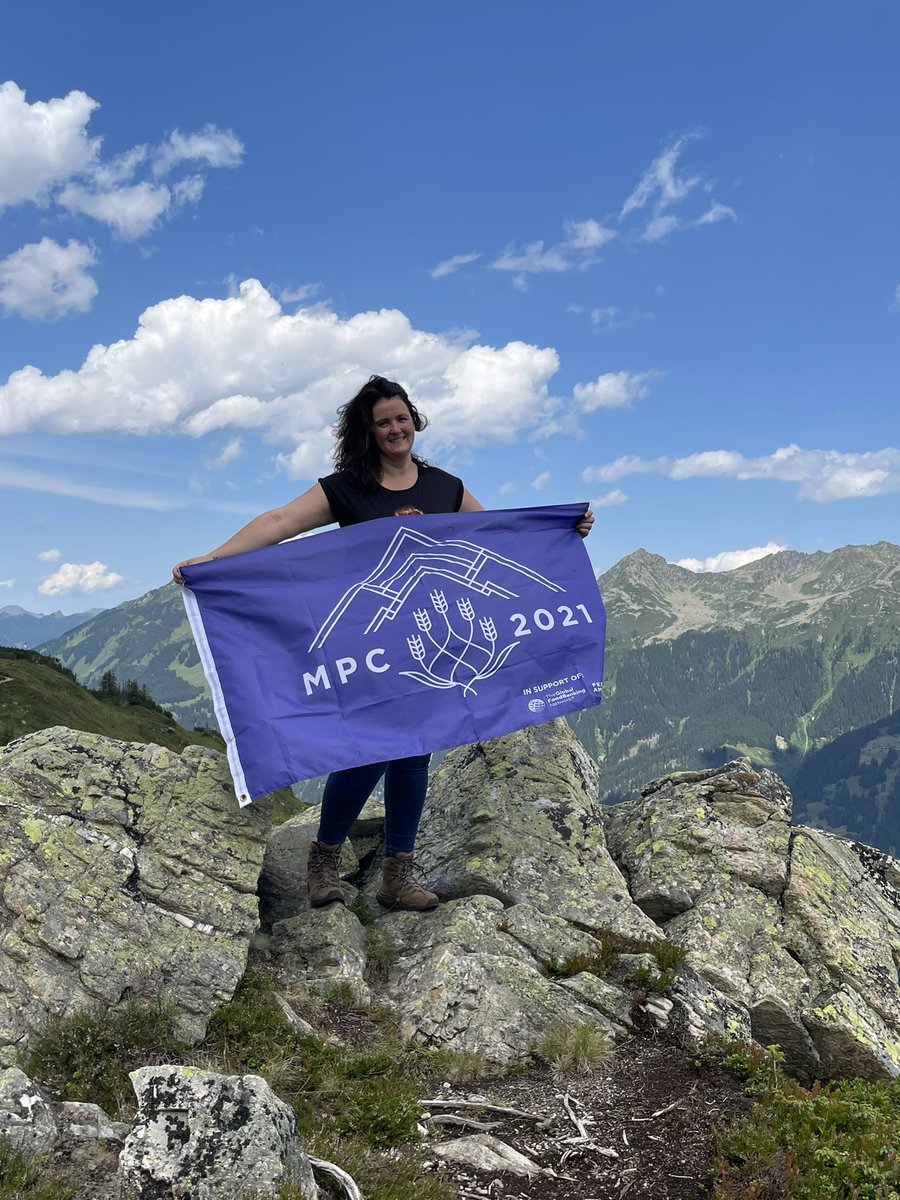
774, 659
24, 629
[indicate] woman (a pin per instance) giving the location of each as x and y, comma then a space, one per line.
377, 475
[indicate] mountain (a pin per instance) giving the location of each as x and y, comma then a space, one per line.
149, 640
35, 693
18, 627
852, 785
775, 659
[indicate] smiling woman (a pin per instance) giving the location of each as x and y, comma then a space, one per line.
377, 475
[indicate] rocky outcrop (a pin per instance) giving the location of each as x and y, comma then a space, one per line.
124, 870
207, 1136
792, 935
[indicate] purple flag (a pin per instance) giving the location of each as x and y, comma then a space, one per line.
395, 637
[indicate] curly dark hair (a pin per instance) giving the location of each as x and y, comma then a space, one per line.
355, 451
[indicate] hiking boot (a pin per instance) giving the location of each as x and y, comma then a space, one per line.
323, 875
400, 888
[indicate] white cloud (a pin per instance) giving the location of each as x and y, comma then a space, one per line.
49, 555
194, 366
79, 577
42, 144
98, 493
600, 316
662, 189
46, 156
131, 211
46, 279
213, 146
230, 451
616, 389
505, 488
295, 295
660, 182
895, 303
728, 560
449, 265
609, 499
822, 475
7, 583
540, 481
578, 249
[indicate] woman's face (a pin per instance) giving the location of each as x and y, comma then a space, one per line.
392, 428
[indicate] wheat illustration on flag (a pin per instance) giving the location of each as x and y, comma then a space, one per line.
452, 655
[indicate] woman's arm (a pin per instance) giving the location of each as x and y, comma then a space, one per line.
306, 512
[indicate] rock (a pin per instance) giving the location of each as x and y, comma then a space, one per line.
208, 1136
26, 1119
463, 983
125, 870
322, 946
519, 818
792, 935
77, 1121
487, 1153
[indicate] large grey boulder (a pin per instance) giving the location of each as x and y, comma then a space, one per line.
792, 935
210, 1137
463, 982
519, 818
125, 870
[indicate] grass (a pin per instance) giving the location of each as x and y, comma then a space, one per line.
356, 1105
610, 945
88, 1056
22, 1177
838, 1140
40, 695
574, 1048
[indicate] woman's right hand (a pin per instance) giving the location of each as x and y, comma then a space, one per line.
187, 562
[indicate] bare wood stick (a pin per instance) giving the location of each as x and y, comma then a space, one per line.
470, 1122
579, 1125
347, 1181
509, 1112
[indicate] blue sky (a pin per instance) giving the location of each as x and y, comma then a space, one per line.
640, 254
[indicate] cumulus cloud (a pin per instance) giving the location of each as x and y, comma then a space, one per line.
449, 265
578, 249
609, 499
42, 144
46, 279
822, 475
7, 583
540, 481
47, 157
728, 560
194, 366
213, 146
49, 555
616, 389
79, 577
505, 488
662, 188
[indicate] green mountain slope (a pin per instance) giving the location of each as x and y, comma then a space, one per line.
35, 694
149, 640
852, 785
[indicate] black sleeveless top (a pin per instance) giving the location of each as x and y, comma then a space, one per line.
433, 492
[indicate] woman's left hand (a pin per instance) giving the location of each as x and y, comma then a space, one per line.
585, 525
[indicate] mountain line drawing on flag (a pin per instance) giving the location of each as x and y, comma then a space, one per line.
396, 577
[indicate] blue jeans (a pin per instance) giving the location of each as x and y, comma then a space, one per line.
405, 784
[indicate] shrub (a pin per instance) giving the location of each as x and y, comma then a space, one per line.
88, 1056
21, 1177
574, 1047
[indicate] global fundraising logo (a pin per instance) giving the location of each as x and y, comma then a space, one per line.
450, 644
